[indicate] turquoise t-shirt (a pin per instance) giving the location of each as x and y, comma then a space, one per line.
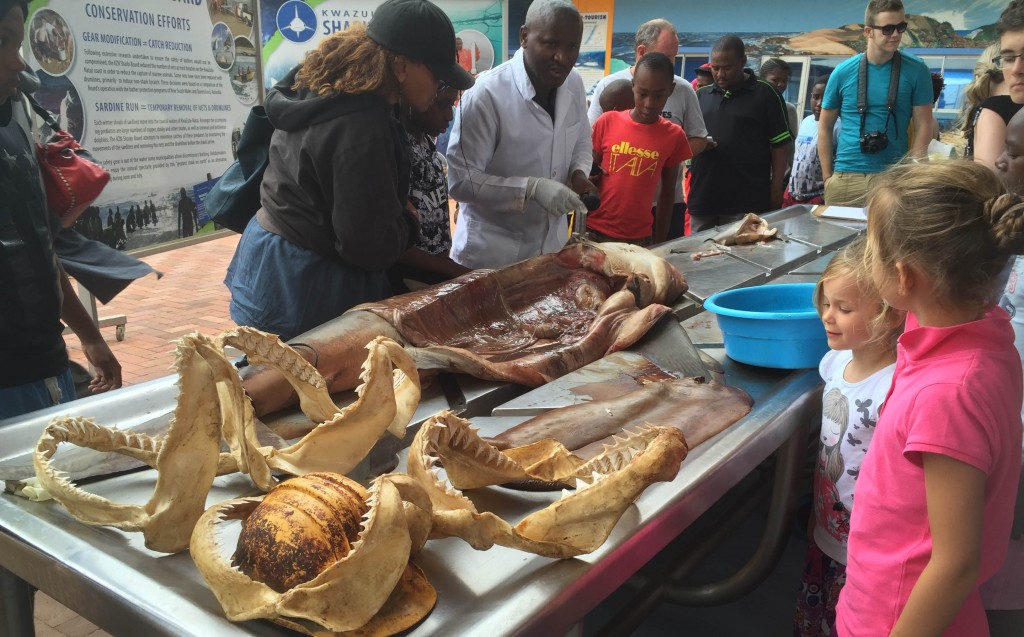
915, 89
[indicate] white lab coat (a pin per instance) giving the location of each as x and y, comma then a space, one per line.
499, 138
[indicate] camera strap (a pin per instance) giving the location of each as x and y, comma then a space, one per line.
890, 100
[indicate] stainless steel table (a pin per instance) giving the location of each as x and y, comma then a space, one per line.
111, 579
803, 238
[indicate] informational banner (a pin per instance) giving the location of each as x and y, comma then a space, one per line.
158, 90
592, 62
293, 27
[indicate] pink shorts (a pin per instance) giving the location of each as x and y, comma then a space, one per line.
1005, 591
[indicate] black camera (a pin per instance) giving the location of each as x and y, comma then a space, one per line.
873, 142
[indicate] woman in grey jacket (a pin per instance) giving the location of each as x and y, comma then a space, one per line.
335, 211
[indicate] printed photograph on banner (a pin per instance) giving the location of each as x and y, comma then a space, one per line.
479, 23
140, 219
290, 28
51, 41
116, 223
142, 89
592, 61
243, 73
236, 14
222, 43
60, 96
474, 50
236, 137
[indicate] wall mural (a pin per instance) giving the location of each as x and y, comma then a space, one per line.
792, 27
799, 27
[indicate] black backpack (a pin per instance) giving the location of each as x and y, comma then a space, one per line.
235, 198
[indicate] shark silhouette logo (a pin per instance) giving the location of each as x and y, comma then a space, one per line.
296, 21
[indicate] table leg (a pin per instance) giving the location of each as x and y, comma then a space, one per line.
16, 606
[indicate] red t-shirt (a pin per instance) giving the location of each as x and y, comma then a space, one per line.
632, 156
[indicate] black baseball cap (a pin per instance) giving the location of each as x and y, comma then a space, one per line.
7, 5
420, 30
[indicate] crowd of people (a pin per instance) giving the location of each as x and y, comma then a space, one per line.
923, 384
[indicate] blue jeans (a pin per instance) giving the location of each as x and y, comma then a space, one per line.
282, 288
40, 394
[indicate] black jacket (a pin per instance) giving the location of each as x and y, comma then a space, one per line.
31, 341
338, 178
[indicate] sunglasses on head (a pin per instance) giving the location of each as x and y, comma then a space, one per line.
889, 29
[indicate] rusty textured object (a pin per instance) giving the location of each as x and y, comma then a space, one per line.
372, 590
303, 526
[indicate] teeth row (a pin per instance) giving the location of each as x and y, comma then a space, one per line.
182, 355
268, 348
615, 456
584, 482
466, 440
364, 370
450, 490
84, 432
366, 520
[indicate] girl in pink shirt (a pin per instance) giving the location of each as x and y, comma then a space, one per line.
935, 497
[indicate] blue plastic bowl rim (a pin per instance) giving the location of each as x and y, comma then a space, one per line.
711, 305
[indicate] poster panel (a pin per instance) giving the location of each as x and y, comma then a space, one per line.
292, 27
158, 91
592, 62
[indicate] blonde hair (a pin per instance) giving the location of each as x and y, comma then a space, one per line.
986, 75
953, 219
887, 323
348, 61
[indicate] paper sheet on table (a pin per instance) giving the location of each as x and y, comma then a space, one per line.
841, 212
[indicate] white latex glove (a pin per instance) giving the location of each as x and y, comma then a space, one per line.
558, 199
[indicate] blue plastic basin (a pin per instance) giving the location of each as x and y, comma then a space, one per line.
771, 325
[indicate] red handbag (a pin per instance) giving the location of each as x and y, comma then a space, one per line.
72, 179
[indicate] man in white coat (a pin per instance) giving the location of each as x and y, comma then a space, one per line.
520, 149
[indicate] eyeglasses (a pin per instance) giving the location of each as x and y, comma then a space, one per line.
1006, 60
441, 87
889, 29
